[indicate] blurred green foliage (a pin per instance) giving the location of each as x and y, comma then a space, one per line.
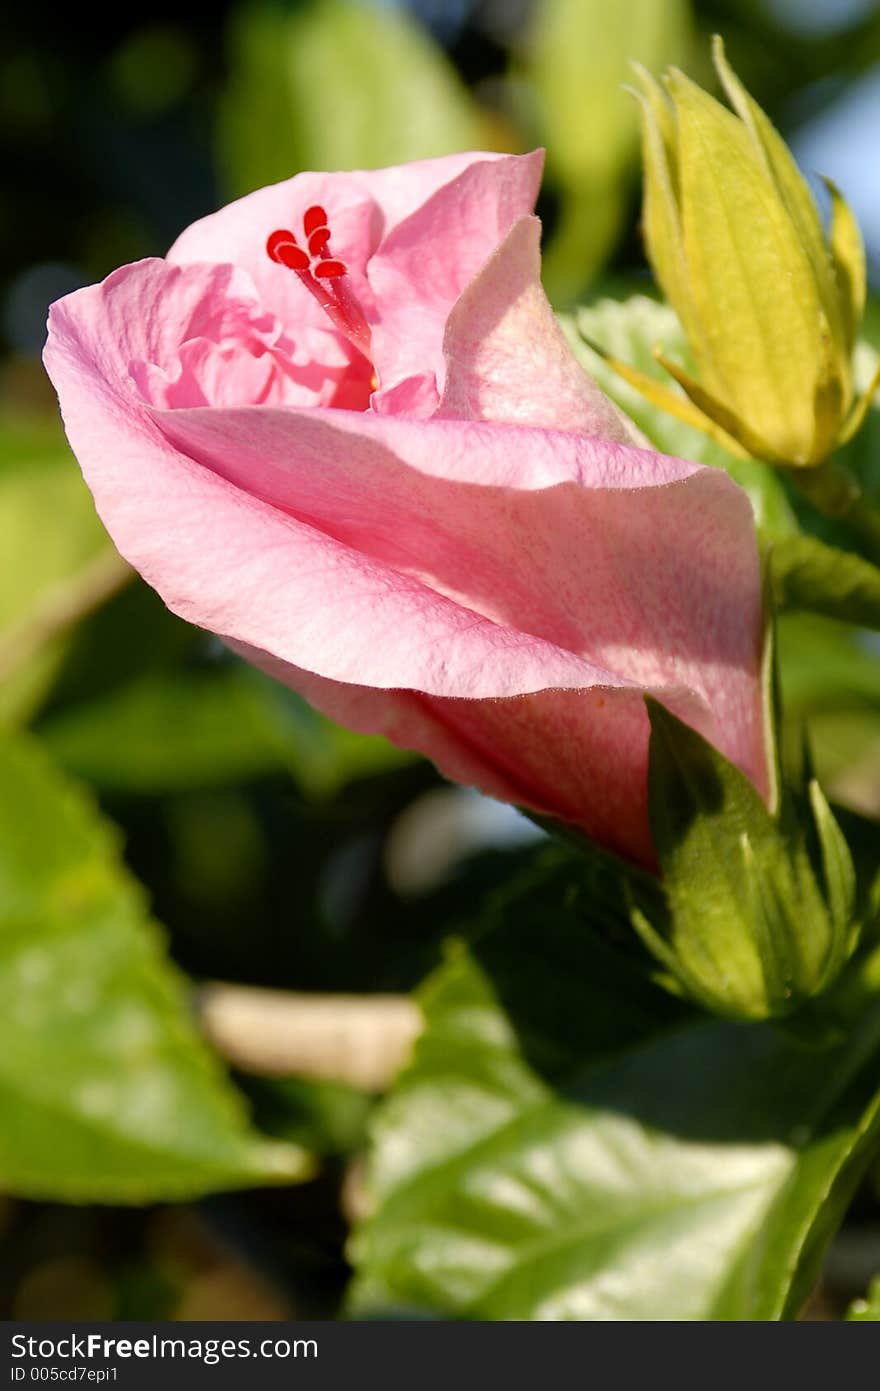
49, 538
264, 837
578, 62
335, 85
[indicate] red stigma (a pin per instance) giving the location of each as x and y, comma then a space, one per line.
318, 241
314, 218
281, 246
322, 274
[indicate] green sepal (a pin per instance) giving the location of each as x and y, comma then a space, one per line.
661, 213
795, 194
760, 906
848, 259
732, 428
857, 416
683, 408
770, 306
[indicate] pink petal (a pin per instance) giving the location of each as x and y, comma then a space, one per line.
574, 755
461, 559
499, 595
426, 261
506, 357
363, 207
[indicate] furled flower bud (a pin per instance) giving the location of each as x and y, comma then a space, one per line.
340, 427
771, 307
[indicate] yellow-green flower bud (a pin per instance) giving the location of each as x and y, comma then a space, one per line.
771, 307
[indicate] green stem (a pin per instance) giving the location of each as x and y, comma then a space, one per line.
836, 493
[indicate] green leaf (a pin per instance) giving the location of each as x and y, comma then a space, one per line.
50, 538
753, 927
808, 574
337, 85
106, 1090
866, 1310
565, 1146
631, 330
207, 727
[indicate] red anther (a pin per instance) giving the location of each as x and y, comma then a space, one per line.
314, 218
281, 247
318, 240
323, 276
275, 240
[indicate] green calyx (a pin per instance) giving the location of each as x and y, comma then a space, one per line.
760, 909
771, 307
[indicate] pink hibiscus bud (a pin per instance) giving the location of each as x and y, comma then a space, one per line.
339, 426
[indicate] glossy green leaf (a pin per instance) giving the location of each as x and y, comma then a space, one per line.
107, 1093
808, 574
630, 330
337, 85
564, 1147
206, 727
50, 537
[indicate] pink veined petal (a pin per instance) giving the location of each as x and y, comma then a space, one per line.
229, 561
146, 323
363, 207
233, 232
574, 755
507, 358
426, 261
415, 397
552, 537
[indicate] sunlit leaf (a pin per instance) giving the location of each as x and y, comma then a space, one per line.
106, 1091
553, 1152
